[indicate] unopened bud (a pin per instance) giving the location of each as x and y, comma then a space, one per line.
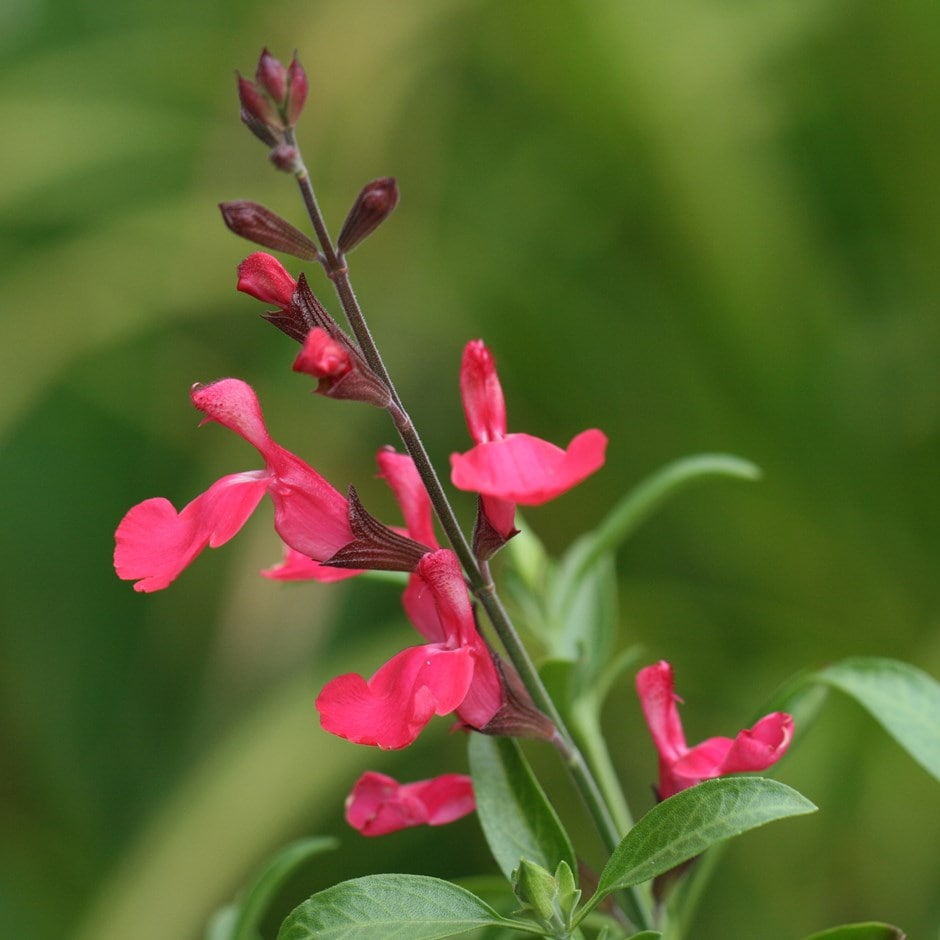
259, 224
272, 77
258, 111
323, 357
551, 900
297, 87
285, 157
372, 206
329, 357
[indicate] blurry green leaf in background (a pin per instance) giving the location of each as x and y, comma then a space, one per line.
697, 226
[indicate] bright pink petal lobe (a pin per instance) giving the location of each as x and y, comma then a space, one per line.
656, 689
482, 396
297, 567
154, 543
391, 709
527, 470
399, 471
759, 747
378, 804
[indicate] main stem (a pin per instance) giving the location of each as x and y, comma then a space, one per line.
478, 576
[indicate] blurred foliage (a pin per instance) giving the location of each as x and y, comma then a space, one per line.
696, 225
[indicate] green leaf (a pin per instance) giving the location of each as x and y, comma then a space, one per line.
646, 935
645, 498
242, 920
517, 819
584, 613
582, 603
869, 931
688, 823
903, 699
394, 907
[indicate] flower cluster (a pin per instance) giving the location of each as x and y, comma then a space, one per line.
454, 671
328, 536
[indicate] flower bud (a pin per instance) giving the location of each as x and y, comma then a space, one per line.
258, 114
285, 158
372, 206
329, 357
551, 900
323, 357
297, 88
260, 225
272, 77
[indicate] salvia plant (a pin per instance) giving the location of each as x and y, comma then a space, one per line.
471, 661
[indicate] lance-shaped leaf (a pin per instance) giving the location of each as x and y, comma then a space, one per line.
517, 819
582, 611
260, 225
869, 931
393, 907
904, 700
242, 920
688, 823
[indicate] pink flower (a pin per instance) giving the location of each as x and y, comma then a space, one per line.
507, 469
379, 805
681, 767
453, 672
154, 543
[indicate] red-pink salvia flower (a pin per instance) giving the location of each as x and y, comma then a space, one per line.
378, 804
154, 542
680, 766
453, 672
399, 471
507, 469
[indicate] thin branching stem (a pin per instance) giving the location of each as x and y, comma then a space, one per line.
477, 574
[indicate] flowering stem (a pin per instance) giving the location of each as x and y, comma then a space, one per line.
478, 575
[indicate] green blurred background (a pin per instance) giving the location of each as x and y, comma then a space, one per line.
696, 224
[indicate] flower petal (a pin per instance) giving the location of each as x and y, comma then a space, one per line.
297, 567
527, 470
154, 543
378, 804
399, 471
655, 686
483, 403
390, 710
